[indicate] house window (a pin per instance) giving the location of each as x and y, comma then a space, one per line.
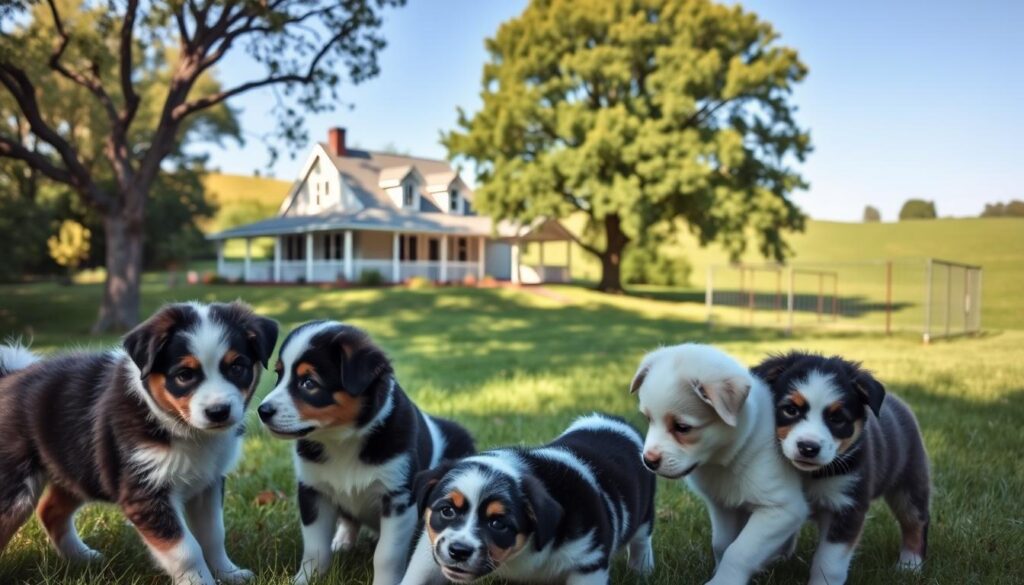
462, 249
453, 201
407, 248
295, 248
318, 194
434, 249
407, 195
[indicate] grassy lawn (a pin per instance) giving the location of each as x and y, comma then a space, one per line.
516, 367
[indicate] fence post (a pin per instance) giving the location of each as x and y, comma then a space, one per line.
927, 336
835, 297
750, 298
978, 304
949, 296
967, 299
888, 297
709, 294
789, 302
821, 294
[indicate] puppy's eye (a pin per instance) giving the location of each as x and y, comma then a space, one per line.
681, 428
447, 512
498, 524
790, 411
837, 418
185, 376
308, 384
240, 367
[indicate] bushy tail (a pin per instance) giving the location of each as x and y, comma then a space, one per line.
14, 356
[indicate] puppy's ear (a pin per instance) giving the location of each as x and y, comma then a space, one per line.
545, 511
774, 366
639, 377
726, 396
144, 342
262, 334
870, 390
362, 362
425, 482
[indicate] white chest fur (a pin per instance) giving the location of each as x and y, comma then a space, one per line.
189, 465
355, 486
830, 493
551, 565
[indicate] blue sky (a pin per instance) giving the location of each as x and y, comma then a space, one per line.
904, 99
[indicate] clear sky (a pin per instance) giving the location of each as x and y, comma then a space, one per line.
904, 99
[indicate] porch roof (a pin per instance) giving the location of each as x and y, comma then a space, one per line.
395, 220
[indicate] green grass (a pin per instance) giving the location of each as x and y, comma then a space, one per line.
517, 368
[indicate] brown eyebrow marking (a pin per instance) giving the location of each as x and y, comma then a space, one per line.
495, 509
457, 498
797, 398
835, 407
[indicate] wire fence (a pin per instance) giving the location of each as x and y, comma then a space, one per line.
935, 298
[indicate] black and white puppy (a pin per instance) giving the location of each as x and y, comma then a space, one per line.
361, 441
153, 427
852, 444
556, 513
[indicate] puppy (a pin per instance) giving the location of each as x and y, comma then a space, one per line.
712, 423
361, 441
556, 513
153, 427
852, 445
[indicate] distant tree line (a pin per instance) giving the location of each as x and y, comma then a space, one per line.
1014, 208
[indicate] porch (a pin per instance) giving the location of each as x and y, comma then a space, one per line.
349, 255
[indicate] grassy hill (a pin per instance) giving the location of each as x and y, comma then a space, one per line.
242, 199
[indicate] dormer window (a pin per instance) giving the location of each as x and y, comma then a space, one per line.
453, 201
408, 197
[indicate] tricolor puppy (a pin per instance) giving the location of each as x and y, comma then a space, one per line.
556, 513
361, 441
852, 444
713, 423
153, 427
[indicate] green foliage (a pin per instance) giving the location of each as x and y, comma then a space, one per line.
871, 214
70, 245
419, 283
1014, 208
918, 209
652, 264
639, 114
25, 225
371, 277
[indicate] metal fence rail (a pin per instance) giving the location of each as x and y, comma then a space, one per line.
935, 298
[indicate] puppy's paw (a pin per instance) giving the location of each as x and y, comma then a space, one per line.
84, 556
910, 561
235, 576
344, 537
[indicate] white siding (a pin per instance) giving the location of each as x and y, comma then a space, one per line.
498, 260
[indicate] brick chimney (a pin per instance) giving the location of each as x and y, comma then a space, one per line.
336, 141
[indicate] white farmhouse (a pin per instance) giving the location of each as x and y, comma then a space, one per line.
352, 211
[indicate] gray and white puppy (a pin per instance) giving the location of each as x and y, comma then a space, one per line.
852, 444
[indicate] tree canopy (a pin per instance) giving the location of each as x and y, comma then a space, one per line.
638, 114
1013, 208
871, 214
918, 209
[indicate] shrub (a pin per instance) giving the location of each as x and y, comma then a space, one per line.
371, 278
419, 283
649, 265
872, 215
918, 209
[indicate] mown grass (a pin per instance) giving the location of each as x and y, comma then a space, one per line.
516, 367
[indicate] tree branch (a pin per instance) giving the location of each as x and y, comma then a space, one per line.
11, 148
89, 82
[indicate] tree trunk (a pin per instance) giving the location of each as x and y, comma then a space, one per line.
611, 258
122, 290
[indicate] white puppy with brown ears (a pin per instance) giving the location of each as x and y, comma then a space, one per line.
713, 423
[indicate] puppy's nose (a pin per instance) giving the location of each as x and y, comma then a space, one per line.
266, 412
459, 552
808, 448
652, 461
218, 413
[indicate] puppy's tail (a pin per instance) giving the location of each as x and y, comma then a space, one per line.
15, 356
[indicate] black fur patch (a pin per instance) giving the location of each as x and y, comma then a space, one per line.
308, 501
310, 451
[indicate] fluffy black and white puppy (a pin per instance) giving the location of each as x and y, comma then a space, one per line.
361, 441
556, 513
153, 427
852, 444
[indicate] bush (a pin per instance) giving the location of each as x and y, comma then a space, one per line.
918, 209
872, 215
648, 265
371, 278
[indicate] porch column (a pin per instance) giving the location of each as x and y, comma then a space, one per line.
220, 257
396, 274
309, 257
480, 257
277, 259
348, 255
568, 260
444, 258
543, 271
515, 262
247, 267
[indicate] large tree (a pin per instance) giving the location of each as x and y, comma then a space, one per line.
638, 114
135, 71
